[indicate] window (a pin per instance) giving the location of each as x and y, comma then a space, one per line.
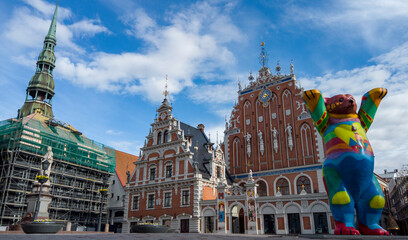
152, 173
169, 171
167, 199
111, 195
283, 186
303, 182
150, 201
166, 136
218, 172
117, 198
113, 182
159, 137
185, 197
135, 203
262, 191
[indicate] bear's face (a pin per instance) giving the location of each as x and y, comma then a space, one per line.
341, 104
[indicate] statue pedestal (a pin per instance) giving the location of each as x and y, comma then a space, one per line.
45, 200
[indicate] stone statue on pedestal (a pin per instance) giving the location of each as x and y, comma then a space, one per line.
48, 157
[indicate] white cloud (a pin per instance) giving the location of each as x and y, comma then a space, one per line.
388, 132
113, 132
379, 23
48, 9
27, 28
214, 94
191, 46
88, 27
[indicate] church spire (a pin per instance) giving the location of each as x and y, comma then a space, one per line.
40, 89
52, 31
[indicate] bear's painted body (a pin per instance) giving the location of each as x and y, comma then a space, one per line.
348, 168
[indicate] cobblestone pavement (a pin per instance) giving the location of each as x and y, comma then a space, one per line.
178, 236
140, 236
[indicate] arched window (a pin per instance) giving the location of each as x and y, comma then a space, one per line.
283, 186
236, 156
262, 191
166, 136
159, 137
303, 182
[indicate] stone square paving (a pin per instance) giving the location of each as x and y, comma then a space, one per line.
176, 236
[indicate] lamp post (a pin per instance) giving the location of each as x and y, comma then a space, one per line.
41, 179
103, 192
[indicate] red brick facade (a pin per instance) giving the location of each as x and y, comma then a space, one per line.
172, 175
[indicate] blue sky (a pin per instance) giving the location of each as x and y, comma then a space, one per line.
113, 56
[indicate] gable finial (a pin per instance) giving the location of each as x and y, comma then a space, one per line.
263, 58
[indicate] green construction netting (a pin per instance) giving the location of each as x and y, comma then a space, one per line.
35, 136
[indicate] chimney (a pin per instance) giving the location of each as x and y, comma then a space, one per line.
385, 171
201, 127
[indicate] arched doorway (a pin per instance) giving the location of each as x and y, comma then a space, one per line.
237, 219
209, 217
321, 225
268, 220
293, 219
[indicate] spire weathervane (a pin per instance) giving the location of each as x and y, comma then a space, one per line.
263, 58
166, 93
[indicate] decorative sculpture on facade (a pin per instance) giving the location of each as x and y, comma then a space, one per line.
348, 168
248, 140
251, 210
221, 211
275, 140
288, 131
261, 142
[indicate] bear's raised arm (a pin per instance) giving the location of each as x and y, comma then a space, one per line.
369, 105
315, 103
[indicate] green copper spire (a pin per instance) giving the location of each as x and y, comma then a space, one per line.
40, 89
52, 32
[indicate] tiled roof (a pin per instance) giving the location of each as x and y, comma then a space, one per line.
124, 162
200, 139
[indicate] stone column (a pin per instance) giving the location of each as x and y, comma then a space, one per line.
221, 209
252, 210
126, 224
68, 228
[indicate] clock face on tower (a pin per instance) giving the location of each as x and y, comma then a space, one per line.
264, 96
163, 115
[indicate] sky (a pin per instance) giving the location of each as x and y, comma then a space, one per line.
113, 57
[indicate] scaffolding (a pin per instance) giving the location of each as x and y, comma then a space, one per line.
76, 175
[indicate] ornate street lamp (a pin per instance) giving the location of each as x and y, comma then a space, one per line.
41, 179
103, 192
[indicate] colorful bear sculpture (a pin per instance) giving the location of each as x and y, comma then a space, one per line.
348, 168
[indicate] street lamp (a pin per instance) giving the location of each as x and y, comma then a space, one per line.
41, 179
103, 192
